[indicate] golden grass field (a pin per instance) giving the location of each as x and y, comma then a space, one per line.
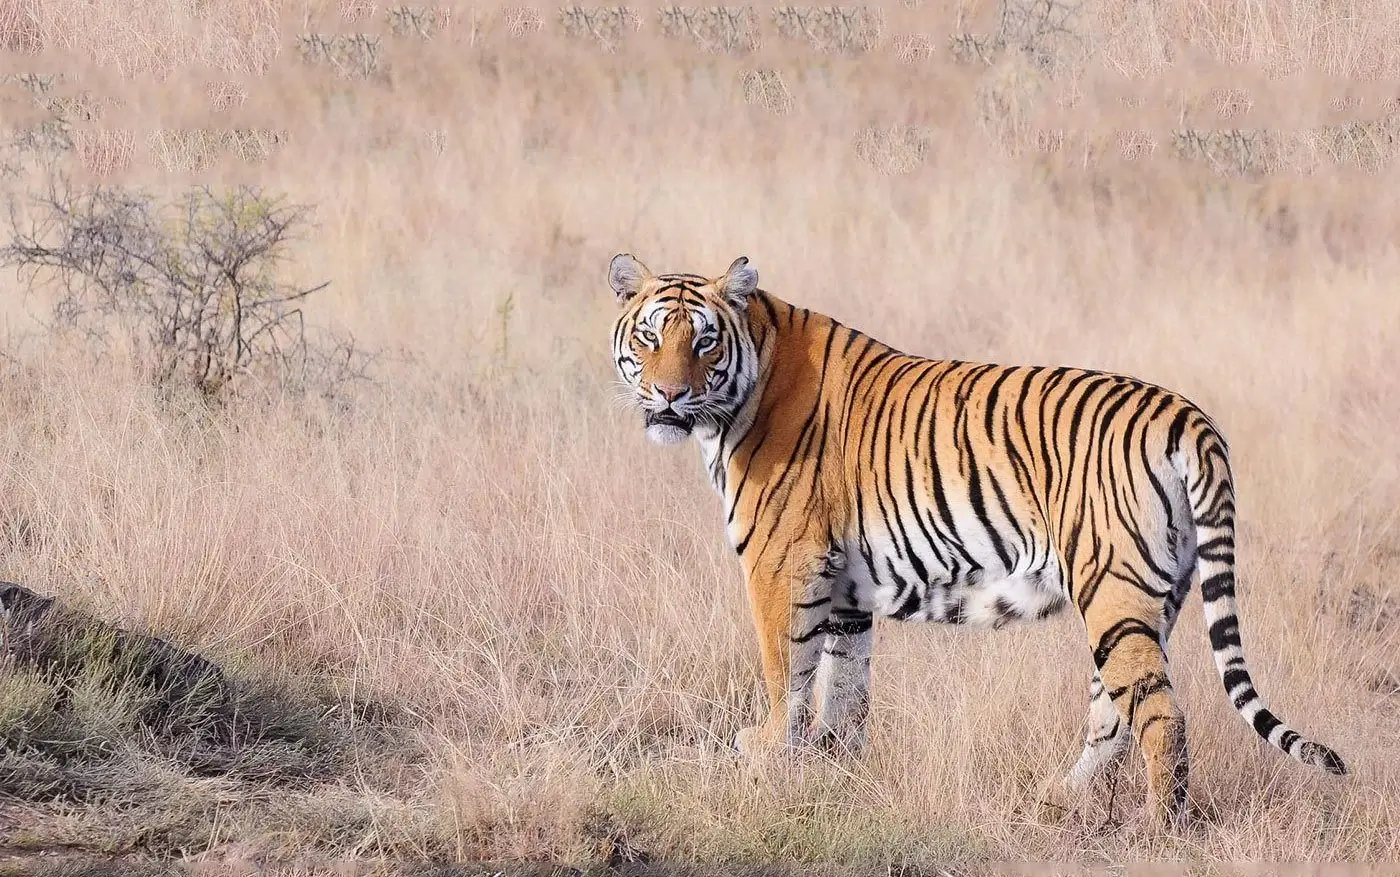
509, 627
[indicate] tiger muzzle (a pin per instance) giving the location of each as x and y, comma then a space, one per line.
669, 417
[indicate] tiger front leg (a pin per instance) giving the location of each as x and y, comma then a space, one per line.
844, 682
790, 612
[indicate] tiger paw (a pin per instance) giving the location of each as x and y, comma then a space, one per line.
751, 741
762, 740
847, 740
1055, 801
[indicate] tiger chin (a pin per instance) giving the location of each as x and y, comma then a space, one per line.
667, 427
859, 482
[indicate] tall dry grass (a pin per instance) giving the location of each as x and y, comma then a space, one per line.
542, 602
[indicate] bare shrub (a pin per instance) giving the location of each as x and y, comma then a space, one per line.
254, 145
605, 25
192, 285
767, 89
225, 95
1048, 32
356, 10
42, 142
1232, 152
352, 56
522, 20
835, 29
913, 48
893, 150
1231, 103
721, 29
422, 22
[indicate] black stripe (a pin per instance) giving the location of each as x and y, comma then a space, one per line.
1265, 722
1120, 631
1220, 549
1104, 738
768, 308
1225, 633
846, 624
1218, 586
918, 518
1177, 429
911, 602
992, 400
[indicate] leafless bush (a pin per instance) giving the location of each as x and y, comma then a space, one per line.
522, 20
1231, 103
42, 142
39, 144
893, 150
767, 89
1231, 152
254, 144
225, 95
356, 10
192, 285
423, 22
1369, 146
354, 56
913, 48
607, 25
725, 29
1366, 145
836, 29
1048, 32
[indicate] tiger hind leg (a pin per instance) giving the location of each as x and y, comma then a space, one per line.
1106, 735
1133, 669
1104, 740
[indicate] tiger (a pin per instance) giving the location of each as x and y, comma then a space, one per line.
860, 482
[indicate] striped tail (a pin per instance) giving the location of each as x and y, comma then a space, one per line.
1212, 495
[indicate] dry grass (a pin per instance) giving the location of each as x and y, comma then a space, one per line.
542, 602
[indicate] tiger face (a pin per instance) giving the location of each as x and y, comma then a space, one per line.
682, 345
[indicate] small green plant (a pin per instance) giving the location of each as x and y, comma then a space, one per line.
193, 285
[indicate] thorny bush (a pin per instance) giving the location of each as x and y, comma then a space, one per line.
193, 285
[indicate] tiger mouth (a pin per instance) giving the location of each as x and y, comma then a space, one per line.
669, 418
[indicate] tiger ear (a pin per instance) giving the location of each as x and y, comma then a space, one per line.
626, 276
739, 282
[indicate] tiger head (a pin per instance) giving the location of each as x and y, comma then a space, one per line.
682, 345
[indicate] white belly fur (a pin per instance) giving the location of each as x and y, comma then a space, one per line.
988, 602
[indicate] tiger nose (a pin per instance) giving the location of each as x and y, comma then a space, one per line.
670, 392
